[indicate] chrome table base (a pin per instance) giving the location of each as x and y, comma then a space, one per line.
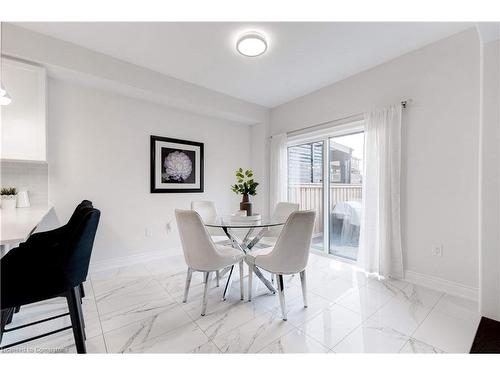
245, 246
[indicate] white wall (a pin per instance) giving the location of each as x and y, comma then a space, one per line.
490, 182
259, 145
98, 148
440, 137
72, 62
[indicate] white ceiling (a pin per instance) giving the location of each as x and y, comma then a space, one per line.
302, 57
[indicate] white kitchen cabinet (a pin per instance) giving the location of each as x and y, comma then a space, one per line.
23, 121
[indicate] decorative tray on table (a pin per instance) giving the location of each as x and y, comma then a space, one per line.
245, 219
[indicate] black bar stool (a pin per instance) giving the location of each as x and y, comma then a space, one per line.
48, 265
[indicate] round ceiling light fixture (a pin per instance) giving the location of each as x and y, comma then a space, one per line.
251, 44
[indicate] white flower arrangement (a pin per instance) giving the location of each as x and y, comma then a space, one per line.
178, 166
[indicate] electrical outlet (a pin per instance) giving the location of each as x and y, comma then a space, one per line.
149, 232
437, 250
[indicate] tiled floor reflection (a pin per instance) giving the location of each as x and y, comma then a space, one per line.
139, 309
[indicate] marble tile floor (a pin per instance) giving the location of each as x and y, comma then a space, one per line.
139, 309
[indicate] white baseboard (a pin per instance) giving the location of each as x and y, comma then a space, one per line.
108, 264
442, 285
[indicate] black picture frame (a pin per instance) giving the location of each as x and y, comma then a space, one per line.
154, 160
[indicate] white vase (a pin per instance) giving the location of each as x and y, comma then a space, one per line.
9, 202
23, 199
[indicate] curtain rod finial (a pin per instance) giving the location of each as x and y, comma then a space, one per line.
404, 103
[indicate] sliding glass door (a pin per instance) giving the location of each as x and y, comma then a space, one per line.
305, 183
325, 174
345, 194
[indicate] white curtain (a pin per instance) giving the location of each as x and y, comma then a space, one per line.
380, 248
278, 170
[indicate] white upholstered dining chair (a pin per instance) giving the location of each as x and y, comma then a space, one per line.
282, 211
202, 254
288, 256
208, 212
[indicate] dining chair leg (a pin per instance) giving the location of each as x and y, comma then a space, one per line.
281, 294
228, 283
82, 291
205, 294
304, 287
76, 316
188, 283
217, 277
242, 288
250, 286
80, 312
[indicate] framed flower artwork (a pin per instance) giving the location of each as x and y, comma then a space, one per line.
176, 166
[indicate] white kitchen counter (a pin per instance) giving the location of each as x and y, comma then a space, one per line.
19, 223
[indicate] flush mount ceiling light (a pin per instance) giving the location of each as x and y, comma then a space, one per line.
4, 96
251, 44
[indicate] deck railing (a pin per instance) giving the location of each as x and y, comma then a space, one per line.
310, 197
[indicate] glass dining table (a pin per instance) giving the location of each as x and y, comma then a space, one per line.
253, 231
